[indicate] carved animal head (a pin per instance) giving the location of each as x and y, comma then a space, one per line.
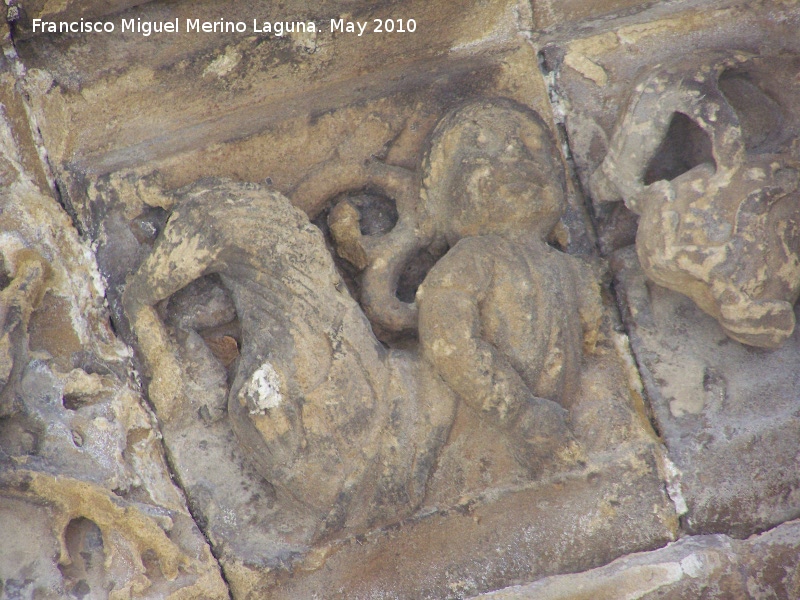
700, 114
709, 159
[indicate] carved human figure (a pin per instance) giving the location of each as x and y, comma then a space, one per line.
343, 427
504, 317
725, 231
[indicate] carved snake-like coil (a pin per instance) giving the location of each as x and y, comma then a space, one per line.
422, 200
382, 258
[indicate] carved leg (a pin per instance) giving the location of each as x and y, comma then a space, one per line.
174, 263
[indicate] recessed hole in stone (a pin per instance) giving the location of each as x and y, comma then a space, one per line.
685, 147
377, 216
206, 306
378, 212
84, 542
77, 438
152, 565
72, 401
203, 304
415, 271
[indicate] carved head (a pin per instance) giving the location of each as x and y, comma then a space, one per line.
706, 153
492, 167
702, 117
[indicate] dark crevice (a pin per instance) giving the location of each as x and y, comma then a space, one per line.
619, 303
625, 326
416, 269
591, 219
175, 478
36, 136
206, 307
684, 147
85, 572
198, 519
62, 198
762, 120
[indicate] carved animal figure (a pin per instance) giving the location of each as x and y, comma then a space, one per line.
339, 424
725, 231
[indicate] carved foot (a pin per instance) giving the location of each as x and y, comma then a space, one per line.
541, 440
764, 323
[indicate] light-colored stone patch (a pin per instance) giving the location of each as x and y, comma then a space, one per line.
263, 390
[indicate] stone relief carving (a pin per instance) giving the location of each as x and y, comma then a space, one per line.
540, 456
708, 156
317, 402
346, 429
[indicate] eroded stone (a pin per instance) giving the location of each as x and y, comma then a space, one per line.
81, 468
715, 224
727, 412
717, 220
381, 143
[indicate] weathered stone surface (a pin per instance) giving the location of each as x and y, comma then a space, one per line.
368, 311
692, 140
88, 505
23, 12
706, 154
594, 73
238, 96
523, 534
551, 14
714, 566
345, 436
